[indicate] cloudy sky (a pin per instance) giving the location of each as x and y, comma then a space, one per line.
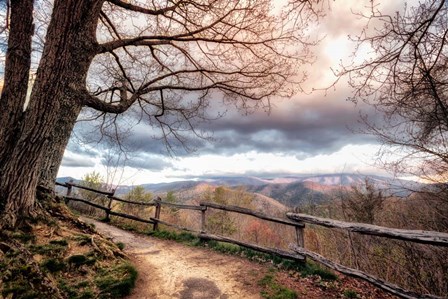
307, 134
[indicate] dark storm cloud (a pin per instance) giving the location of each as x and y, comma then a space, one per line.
143, 138
82, 150
77, 162
150, 162
304, 130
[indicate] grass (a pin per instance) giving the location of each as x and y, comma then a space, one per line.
273, 290
182, 237
312, 268
348, 293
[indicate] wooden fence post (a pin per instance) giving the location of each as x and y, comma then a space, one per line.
203, 219
300, 232
157, 214
69, 191
300, 236
109, 205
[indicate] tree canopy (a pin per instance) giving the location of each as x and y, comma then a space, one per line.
403, 76
163, 61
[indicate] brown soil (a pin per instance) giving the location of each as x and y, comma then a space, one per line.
171, 270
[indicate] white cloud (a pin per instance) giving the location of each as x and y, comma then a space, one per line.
351, 158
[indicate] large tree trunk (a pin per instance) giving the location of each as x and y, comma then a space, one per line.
17, 70
69, 49
56, 147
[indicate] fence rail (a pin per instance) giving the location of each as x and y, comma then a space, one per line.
416, 236
295, 219
251, 213
387, 286
282, 253
141, 203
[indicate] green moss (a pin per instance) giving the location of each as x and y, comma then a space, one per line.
61, 242
24, 237
81, 239
88, 294
77, 260
83, 284
21, 291
53, 265
116, 282
19, 279
51, 250
74, 290
68, 290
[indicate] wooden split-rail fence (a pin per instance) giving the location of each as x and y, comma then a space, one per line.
295, 220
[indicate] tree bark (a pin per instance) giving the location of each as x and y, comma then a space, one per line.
17, 70
69, 49
56, 147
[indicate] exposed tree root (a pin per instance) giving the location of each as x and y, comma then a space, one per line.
48, 255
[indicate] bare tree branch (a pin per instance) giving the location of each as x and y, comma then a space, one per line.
136, 8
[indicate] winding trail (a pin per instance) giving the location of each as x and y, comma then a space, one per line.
171, 270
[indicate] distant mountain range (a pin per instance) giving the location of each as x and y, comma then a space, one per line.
289, 190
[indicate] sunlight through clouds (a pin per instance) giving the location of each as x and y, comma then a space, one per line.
311, 133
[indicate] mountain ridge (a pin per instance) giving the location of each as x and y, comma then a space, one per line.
289, 190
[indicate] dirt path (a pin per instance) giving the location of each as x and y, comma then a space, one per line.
171, 270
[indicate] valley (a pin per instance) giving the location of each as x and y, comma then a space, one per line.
283, 192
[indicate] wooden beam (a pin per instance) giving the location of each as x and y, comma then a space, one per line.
109, 211
391, 288
417, 236
282, 253
133, 202
109, 193
180, 206
174, 225
251, 213
87, 202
